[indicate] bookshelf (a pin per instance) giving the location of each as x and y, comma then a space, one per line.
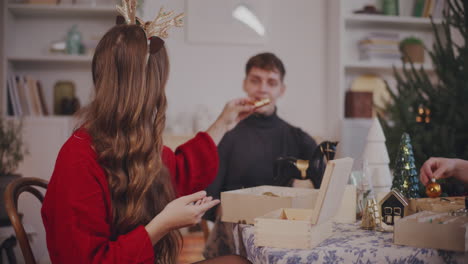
345, 31
61, 10
53, 58
27, 32
422, 23
31, 29
379, 67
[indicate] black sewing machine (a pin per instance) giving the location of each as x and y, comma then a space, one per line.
290, 168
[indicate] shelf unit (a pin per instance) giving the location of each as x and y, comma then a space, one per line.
383, 20
61, 10
379, 67
345, 29
27, 31
52, 58
31, 29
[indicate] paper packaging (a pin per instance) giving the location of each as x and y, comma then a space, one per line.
442, 204
432, 230
306, 228
243, 205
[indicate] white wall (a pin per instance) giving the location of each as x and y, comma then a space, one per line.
211, 74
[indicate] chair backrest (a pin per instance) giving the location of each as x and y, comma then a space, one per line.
12, 193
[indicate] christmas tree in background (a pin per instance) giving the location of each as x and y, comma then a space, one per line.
405, 175
435, 113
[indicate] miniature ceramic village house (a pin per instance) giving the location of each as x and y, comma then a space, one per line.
392, 207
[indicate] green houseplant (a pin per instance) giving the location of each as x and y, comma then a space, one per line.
12, 152
412, 49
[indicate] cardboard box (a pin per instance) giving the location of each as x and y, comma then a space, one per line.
275, 230
306, 228
243, 205
347, 211
432, 230
442, 204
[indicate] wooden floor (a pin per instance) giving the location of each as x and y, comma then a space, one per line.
193, 248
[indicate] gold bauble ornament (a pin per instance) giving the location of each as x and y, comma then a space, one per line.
433, 189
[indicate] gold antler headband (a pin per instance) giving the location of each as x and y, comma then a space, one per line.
156, 29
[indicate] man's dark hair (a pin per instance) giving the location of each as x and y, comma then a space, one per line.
266, 61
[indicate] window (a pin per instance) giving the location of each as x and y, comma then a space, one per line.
397, 211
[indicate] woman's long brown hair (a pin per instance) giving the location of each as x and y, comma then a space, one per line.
125, 120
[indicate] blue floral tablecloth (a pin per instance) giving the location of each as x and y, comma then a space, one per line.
349, 244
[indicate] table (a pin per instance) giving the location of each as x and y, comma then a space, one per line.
348, 244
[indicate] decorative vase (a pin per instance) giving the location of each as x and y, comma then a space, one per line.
390, 7
74, 41
65, 101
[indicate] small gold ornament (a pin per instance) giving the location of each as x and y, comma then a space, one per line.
270, 194
433, 189
302, 166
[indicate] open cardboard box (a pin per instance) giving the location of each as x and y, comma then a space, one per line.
306, 228
439, 205
290, 228
432, 230
243, 205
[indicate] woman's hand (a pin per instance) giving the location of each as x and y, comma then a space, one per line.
438, 168
188, 210
184, 211
234, 111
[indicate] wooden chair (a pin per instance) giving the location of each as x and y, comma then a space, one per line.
12, 193
205, 229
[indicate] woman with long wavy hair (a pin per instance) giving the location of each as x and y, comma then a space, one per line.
112, 195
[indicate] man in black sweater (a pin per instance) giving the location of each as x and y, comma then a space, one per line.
249, 153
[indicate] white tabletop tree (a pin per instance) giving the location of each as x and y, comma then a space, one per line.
376, 155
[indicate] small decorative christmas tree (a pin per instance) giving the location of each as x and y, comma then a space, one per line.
405, 175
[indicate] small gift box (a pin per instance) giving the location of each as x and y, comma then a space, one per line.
433, 230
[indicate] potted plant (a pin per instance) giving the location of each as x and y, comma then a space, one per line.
12, 152
412, 49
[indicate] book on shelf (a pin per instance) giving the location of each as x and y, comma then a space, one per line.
426, 8
379, 56
392, 36
25, 96
10, 110
43, 2
418, 8
33, 96
405, 8
379, 45
42, 99
13, 96
439, 7
378, 42
24, 102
